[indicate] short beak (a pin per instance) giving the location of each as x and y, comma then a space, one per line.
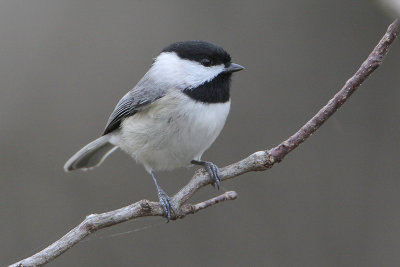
233, 68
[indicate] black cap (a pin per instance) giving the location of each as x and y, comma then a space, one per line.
203, 52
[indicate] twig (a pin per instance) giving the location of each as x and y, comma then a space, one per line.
258, 161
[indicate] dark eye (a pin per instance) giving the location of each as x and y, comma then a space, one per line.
206, 62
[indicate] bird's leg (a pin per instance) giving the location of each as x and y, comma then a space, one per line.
212, 170
165, 200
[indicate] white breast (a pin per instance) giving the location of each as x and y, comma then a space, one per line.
173, 131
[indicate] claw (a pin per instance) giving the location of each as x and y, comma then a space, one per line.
212, 170
165, 201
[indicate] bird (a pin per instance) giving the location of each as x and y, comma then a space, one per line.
171, 117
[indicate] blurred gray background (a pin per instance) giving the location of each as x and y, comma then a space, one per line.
332, 202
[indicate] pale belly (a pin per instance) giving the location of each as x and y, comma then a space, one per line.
173, 131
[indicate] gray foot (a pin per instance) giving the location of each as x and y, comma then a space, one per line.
211, 169
165, 201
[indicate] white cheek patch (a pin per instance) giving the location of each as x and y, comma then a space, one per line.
197, 74
182, 73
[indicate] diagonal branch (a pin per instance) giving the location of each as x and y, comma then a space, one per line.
258, 161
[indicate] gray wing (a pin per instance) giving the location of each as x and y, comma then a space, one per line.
142, 95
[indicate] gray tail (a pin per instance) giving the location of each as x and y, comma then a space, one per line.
92, 155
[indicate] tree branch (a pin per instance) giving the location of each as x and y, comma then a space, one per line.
258, 161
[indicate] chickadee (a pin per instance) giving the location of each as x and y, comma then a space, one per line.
171, 116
